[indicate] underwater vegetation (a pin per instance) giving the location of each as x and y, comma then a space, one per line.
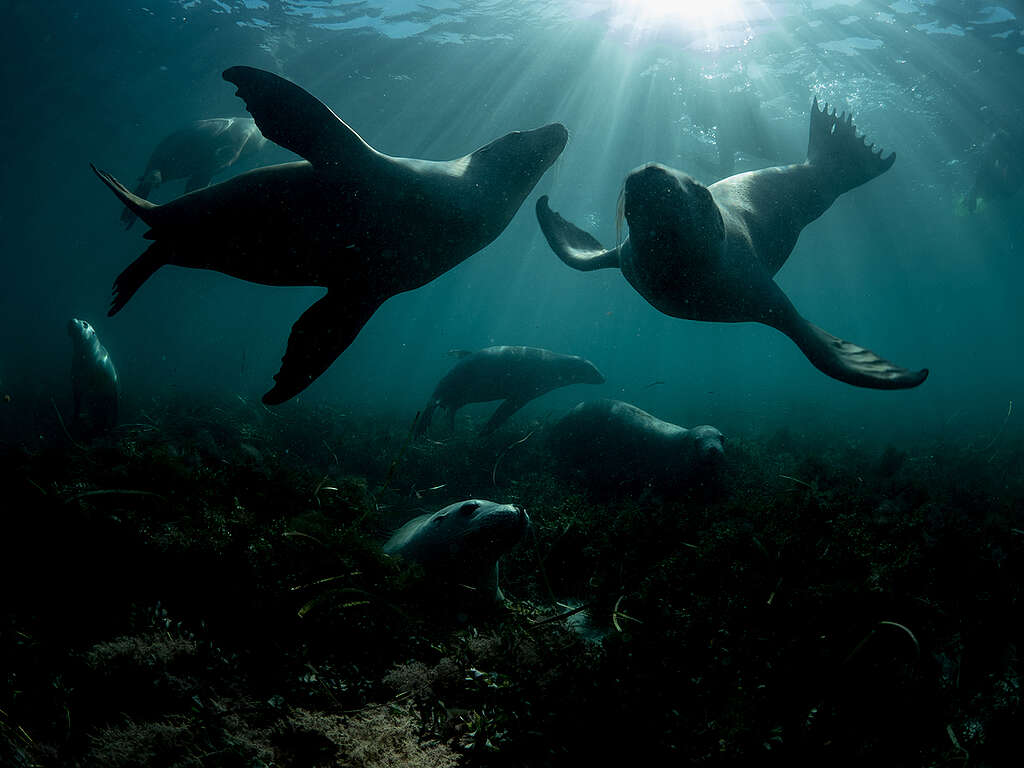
204, 585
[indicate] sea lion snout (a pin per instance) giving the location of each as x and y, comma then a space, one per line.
80, 329
710, 444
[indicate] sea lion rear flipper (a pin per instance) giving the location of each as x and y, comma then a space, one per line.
834, 146
322, 333
500, 416
138, 206
135, 274
290, 116
842, 360
575, 247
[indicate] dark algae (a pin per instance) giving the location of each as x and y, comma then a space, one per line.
206, 587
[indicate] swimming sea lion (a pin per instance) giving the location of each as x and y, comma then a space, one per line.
612, 442
516, 375
1000, 171
93, 381
461, 543
363, 224
710, 253
198, 152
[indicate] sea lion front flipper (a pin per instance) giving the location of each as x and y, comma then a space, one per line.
320, 334
855, 365
292, 117
842, 360
575, 247
500, 416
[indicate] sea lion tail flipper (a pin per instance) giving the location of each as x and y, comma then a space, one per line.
292, 117
835, 147
571, 244
322, 333
500, 416
137, 205
135, 274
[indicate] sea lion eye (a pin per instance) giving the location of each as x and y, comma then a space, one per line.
468, 509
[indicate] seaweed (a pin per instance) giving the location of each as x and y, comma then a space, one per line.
204, 586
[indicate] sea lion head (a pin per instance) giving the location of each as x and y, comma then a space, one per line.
672, 214
517, 160
468, 534
579, 370
81, 333
709, 445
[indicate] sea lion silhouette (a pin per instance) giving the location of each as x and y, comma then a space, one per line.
516, 375
710, 253
197, 153
361, 223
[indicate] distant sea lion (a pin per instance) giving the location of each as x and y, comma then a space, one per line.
612, 442
710, 253
516, 375
197, 153
363, 224
93, 382
1000, 173
461, 543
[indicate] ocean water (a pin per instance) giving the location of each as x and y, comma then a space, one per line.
891, 266
207, 579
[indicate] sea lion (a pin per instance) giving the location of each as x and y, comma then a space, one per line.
461, 544
516, 375
710, 253
93, 382
197, 153
613, 443
1000, 171
363, 224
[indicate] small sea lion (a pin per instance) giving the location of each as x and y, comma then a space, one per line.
94, 387
710, 253
461, 544
516, 375
1000, 171
615, 443
360, 223
197, 153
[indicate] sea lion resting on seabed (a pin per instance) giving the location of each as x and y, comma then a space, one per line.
198, 152
710, 253
360, 223
615, 443
93, 382
516, 375
461, 544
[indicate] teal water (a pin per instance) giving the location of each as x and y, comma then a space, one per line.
895, 265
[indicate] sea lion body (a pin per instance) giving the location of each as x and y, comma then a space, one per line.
615, 443
711, 253
1000, 172
94, 384
513, 374
363, 224
461, 543
197, 153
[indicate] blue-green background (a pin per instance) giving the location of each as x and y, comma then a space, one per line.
892, 266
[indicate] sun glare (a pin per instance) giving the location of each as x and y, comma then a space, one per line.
703, 17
